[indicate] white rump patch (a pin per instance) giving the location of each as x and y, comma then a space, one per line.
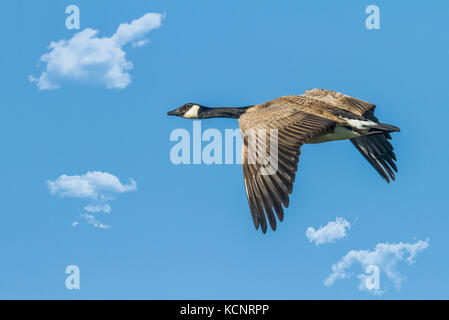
359, 124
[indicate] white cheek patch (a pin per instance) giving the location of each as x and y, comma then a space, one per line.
193, 112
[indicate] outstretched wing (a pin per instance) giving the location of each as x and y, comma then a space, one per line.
378, 150
340, 100
268, 192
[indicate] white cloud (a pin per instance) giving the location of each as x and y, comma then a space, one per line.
332, 232
140, 43
98, 207
94, 221
90, 185
87, 58
134, 31
385, 256
99, 187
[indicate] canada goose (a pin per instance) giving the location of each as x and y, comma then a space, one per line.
316, 116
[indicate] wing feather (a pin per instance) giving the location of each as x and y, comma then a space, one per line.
340, 100
378, 150
268, 193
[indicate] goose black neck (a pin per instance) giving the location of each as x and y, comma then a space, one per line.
228, 112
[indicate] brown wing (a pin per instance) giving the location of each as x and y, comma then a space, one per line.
340, 100
267, 191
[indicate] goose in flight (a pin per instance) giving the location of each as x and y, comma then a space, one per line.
316, 116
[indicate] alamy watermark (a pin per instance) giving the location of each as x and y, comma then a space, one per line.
372, 281
73, 280
73, 20
262, 147
373, 20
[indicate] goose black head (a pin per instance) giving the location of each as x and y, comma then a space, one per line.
188, 111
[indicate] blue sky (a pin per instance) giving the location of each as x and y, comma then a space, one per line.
186, 231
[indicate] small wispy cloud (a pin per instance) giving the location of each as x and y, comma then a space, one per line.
98, 207
98, 187
385, 256
333, 231
91, 219
140, 43
89, 59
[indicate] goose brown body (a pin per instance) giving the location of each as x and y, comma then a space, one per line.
316, 116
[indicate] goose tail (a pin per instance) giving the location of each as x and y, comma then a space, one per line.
382, 128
